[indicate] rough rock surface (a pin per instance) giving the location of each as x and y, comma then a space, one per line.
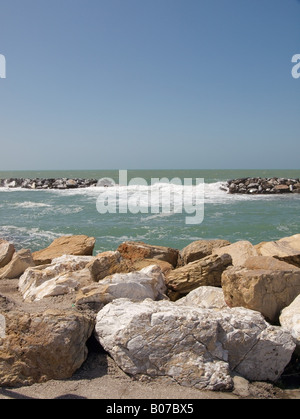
139, 250
108, 263
146, 283
2, 326
206, 271
264, 284
20, 261
200, 249
239, 252
64, 275
6, 252
286, 249
196, 347
290, 320
67, 245
204, 297
43, 346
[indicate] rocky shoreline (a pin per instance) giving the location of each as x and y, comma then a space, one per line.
210, 316
256, 186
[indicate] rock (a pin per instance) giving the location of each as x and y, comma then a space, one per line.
2, 326
197, 347
165, 267
206, 271
138, 250
204, 297
241, 386
264, 284
290, 320
282, 188
67, 245
146, 283
43, 346
71, 183
286, 249
107, 263
200, 249
21, 260
239, 252
6, 252
65, 275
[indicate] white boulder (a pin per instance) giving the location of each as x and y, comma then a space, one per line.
197, 347
64, 275
290, 320
204, 297
149, 282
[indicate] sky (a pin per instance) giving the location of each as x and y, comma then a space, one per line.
149, 84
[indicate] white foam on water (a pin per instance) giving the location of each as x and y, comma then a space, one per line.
29, 204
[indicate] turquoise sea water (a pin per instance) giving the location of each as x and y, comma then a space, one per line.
33, 218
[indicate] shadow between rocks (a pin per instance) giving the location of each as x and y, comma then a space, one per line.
96, 365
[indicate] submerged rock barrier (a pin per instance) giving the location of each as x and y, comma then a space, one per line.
260, 185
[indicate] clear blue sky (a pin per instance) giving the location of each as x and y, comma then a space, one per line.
132, 84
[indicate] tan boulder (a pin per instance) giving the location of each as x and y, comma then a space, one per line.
206, 271
286, 249
200, 249
166, 267
264, 284
239, 252
6, 252
21, 260
43, 346
108, 263
67, 245
138, 250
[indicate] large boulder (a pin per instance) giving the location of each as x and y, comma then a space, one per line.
204, 297
264, 284
20, 261
64, 275
239, 252
286, 249
206, 271
196, 347
199, 249
42, 346
6, 252
290, 320
108, 263
67, 245
138, 250
146, 283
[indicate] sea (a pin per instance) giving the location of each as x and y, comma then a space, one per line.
32, 219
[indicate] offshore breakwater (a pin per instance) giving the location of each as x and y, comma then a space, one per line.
260, 185
247, 185
50, 183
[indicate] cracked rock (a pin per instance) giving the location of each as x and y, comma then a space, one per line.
196, 347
